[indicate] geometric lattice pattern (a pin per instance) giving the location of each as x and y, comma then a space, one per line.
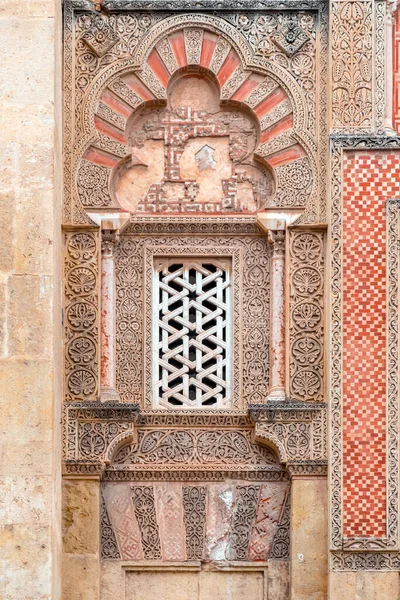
370, 178
192, 334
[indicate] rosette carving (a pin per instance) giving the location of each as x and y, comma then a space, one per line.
306, 306
81, 304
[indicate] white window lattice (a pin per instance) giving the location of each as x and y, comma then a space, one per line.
192, 333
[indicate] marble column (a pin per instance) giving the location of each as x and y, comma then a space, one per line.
277, 343
108, 392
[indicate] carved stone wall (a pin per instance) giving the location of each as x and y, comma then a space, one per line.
235, 521
270, 64
180, 126
358, 65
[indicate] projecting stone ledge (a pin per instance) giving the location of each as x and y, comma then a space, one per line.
296, 431
93, 432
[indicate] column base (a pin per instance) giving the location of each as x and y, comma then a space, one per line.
276, 394
108, 394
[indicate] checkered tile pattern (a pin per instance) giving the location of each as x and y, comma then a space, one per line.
369, 178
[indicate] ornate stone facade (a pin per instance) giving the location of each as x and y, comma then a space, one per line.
229, 247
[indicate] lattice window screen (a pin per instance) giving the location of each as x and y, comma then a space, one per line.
192, 333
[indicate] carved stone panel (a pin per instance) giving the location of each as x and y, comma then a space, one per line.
228, 521
358, 65
81, 315
306, 313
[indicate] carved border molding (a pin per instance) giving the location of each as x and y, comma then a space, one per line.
176, 5
186, 224
134, 265
365, 558
306, 283
81, 281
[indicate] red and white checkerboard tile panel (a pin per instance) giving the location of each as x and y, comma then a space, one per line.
369, 179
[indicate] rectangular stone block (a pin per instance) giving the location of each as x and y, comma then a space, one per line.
278, 578
30, 316
309, 540
27, 398
7, 216
26, 499
112, 580
151, 585
232, 585
364, 586
81, 516
80, 578
25, 562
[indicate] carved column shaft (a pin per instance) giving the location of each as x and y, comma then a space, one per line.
277, 344
107, 368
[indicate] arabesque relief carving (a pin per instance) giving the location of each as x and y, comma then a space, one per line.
236, 521
265, 63
81, 314
306, 277
358, 59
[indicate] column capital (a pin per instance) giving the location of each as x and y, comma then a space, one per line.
277, 240
109, 238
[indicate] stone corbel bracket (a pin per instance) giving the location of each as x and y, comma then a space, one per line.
296, 431
93, 432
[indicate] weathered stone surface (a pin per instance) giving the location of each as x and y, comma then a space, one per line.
309, 540
278, 577
26, 389
80, 514
80, 577
7, 246
29, 325
220, 509
30, 435
112, 580
232, 586
25, 560
25, 499
364, 586
174, 586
